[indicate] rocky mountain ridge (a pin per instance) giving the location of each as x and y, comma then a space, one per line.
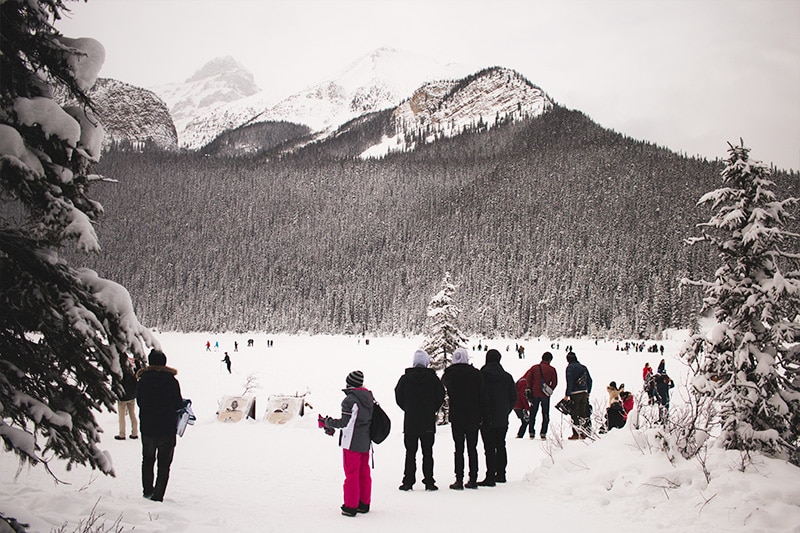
446, 108
379, 80
221, 98
132, 116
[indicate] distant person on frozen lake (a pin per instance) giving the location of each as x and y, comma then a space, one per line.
227, 361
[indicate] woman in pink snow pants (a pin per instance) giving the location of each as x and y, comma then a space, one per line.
355, 442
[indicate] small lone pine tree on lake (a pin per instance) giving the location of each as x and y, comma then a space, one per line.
444, 336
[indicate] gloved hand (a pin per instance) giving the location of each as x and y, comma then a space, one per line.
323, 423
528, 395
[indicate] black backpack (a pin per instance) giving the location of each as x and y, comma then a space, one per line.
380, 426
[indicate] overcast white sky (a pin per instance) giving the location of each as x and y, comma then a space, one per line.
687, 74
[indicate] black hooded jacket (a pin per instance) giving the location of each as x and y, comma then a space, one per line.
158, 395
501, 392
466, 393
420, 394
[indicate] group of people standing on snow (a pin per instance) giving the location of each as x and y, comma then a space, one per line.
478, 403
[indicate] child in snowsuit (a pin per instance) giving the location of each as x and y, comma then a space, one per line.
354, 439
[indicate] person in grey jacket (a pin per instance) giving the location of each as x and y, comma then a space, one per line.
502, 395
420, 394
355, 441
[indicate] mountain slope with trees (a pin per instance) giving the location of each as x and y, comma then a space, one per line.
552, 225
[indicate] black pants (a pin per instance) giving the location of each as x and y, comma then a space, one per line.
580, 414
523, 416
412, 442
545, 403
156, 450
494, 448
460, 435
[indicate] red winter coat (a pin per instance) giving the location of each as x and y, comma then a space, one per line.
627, 404
522, 401
534, 378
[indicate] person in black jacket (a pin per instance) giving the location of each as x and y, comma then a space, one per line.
126, 404
663, 384
501, 393
579, 386
158, 394
467, 400
420, 394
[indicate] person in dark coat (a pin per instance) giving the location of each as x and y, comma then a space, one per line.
126, 404
522, 407
536, 376
354, 438
579, 386
420, 394
227, 361
663, 384
501, 395
158, 395
467, 401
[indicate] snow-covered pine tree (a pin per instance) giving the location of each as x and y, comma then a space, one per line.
443, 334
750, 362
64, 331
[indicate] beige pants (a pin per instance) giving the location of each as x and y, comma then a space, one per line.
127, 408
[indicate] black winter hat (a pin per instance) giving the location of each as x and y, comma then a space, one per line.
355, 379
157, 358
492, 356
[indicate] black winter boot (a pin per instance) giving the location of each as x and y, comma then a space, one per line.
349, 511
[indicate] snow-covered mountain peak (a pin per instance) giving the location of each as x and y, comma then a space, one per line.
378, 80
446, 108
220, 66
403, 71
424, 93
220, 81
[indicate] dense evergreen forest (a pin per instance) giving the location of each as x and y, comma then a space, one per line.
553, 226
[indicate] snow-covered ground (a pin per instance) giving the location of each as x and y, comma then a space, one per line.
255, 476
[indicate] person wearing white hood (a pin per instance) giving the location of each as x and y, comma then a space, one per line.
468, 405
420, 394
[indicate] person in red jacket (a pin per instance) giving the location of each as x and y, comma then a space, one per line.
522, 408
537, 376
627, 402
